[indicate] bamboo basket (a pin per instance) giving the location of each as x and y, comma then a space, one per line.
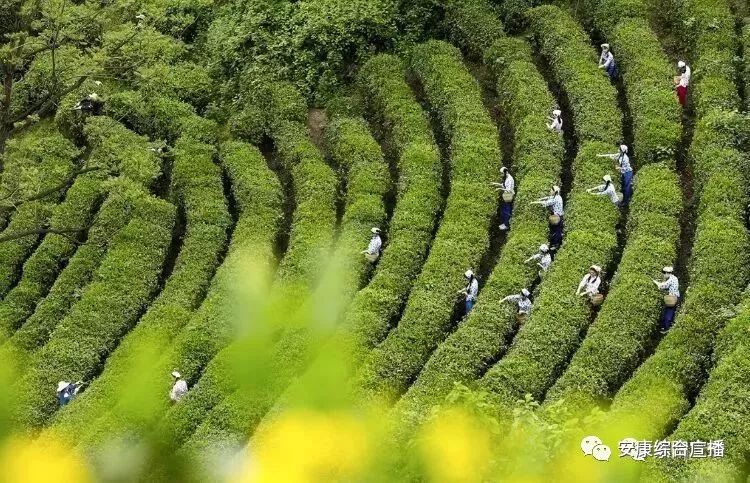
554, 220
507, 196
371, 258
597, 300
670, 300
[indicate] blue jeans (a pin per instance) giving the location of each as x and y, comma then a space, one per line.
627, 187
506, 210
469, 306
556, 234
612, 70
667, 317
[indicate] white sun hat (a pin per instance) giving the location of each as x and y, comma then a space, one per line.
607, 177
680, 64
596, 268
176, 374
525, 293
668, 269
468, 274
62, 385
556, 189
605, 46
375, 230
623, 148
557, 112
543, 248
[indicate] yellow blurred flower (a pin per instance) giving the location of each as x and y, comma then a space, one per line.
455, 447
308, 446
31, 461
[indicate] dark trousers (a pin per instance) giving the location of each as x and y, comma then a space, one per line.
469, 306
506, 210
627, 187
667, 317
556, 234
612, 70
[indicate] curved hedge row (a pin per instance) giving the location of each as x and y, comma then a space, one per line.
462, 237
196, 182
473, 25
50, 160
481, 338
659, 393
720, 411
351, 146
573, 63
257, 192
122, 286
542, 347
41, 269
624, 327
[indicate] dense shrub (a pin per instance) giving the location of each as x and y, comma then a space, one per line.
257, 192
185, 81
353, 149
472, 25
462, 238
481, 337
108, 307
196, 182
41, 269
573, 63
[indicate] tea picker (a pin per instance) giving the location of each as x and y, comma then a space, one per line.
376, 244
508, 187
607, 62
682, 81
67, 391
543, 258
589, 285
524, 304
606, 189
555, 204
179, 389
471, 291
671, 287
625, 169
556, 123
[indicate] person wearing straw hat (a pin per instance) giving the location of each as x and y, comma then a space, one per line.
671, 287
556, 123
471, 291
67, 391
179, 389
682, 81
376, 244
606, 189
508, 187
607, 62
590, 282
554, 203
523, 300
626, 171
543, 258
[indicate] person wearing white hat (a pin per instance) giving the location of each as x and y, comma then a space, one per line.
625, 169
682, 81
543, 258
606, 189
508, 187
554, 203
556, 123
607, 61
590, 282
67, 391
179, 389
671, 287
471, 291
376, 244
523, 300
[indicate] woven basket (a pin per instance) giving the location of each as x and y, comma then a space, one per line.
371, 258
670, 300
520, 318
554, 220
507, 196
597, 300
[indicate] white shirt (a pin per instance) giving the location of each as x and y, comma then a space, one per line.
524, 303
590, 283
544, 260
556, 203
609, 191
624, 161
179, 390
509, 184
472, 289
685, 77
606, 58
671, 285
557, 125
374, 247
